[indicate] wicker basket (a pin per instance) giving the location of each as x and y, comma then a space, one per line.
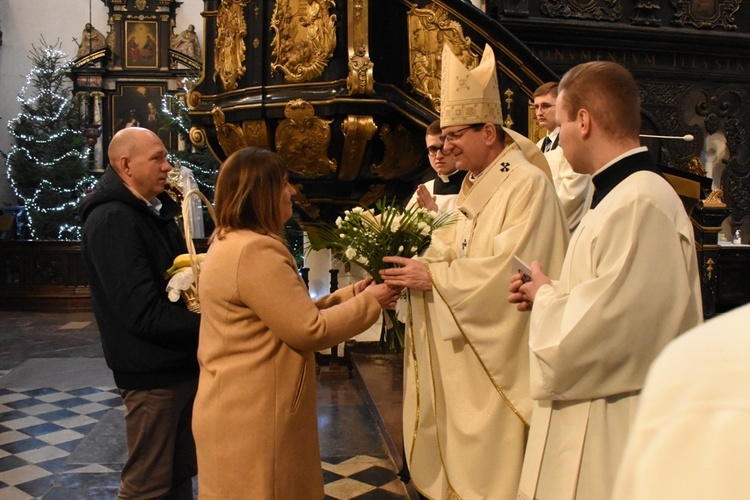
190, 296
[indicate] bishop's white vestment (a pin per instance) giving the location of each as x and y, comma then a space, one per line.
629, 284
466, 392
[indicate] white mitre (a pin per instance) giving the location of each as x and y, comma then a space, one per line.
469, 97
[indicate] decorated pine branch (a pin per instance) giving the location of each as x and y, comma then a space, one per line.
48, 165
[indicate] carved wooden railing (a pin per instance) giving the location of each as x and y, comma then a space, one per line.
42, 276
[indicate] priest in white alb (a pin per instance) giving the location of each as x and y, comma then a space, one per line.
467, 405
629, 285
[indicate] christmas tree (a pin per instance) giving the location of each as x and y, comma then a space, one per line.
48, 164
175, 116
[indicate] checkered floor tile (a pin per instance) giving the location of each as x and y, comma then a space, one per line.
361, 477
41, 428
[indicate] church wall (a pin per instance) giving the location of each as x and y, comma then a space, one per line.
24, 23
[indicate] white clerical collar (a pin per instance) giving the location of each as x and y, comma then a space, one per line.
446, 178
611, 162
553, 135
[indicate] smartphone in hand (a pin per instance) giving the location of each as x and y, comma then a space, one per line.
519, 266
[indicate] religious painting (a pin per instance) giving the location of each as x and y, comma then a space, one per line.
141, 44
140, 106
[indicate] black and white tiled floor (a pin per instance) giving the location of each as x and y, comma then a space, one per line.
65, 440
39, 431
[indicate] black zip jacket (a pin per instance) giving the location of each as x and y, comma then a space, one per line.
148, 341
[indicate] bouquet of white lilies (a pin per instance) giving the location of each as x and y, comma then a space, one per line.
364, 236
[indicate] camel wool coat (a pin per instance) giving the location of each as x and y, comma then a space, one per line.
254, 418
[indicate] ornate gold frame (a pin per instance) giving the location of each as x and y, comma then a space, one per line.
304, 38
229, 48
429, 29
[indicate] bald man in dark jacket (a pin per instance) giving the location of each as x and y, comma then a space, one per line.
129, 239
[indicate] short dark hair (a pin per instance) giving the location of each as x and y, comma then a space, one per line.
248, 191
434, 128
546, 88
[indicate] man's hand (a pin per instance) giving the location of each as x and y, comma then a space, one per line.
522, 293
411, 274
425, 199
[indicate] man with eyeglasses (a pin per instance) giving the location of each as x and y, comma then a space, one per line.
438, 195
574, 190
466, 403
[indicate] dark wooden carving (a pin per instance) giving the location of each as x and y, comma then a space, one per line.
646, 13
706, 14
598, 10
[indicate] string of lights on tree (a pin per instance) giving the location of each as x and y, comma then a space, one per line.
176, 116
48, 165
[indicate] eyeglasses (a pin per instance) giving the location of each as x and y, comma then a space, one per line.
457, 134
433, 151
544, 107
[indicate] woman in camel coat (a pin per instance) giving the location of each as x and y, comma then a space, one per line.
254, 419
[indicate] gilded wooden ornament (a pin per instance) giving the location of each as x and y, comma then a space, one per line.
429, 29
714, 199
375, 193
197, 137
358, 130
194, 99
230, 136
709, 265
302, 139
401, 154
256, 133
508, 122
696, 167
360, 79
303, 202
229, 46
304, 38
